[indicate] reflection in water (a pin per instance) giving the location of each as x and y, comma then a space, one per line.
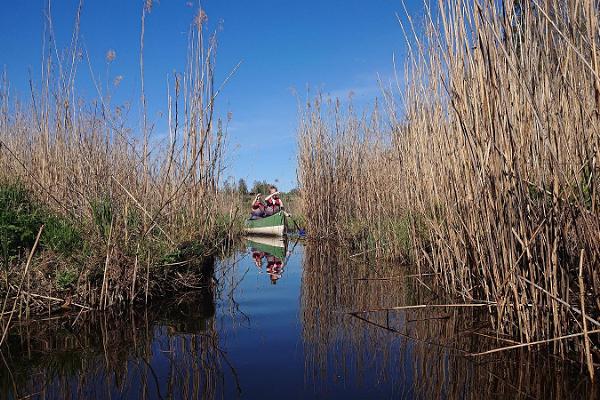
417, 353
273, 251
168, 351
319, 333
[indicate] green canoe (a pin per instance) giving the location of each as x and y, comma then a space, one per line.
270, 226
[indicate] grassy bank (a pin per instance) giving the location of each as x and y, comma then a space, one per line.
126, 215
480, 166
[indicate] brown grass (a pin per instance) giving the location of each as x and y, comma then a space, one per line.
483, 168
135, 196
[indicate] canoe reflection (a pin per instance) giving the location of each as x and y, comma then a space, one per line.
271, 251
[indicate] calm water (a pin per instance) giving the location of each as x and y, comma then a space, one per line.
281, 323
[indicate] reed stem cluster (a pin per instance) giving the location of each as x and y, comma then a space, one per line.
479, 165
137, 200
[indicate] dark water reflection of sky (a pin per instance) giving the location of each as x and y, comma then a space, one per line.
265, 340
254, 339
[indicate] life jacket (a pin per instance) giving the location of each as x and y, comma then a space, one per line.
257, 205
274, 201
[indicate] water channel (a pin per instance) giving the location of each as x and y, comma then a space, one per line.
282, 322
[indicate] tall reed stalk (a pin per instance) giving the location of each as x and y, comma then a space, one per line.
483, 166
81, 159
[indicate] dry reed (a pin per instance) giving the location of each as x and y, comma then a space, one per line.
135, 197
415, 352
483, 168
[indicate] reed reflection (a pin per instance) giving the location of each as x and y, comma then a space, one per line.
168, 351
352, 338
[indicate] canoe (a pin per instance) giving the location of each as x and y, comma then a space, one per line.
274, 246
270, 226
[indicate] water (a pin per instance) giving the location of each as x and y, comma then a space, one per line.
281, 323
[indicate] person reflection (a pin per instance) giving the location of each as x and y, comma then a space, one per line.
274, 264
274, 268
257, 256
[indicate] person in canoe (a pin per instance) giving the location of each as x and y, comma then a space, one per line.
258, 207
274, 204
271, 205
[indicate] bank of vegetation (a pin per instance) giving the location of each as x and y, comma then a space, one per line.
95, 209
349, 326
479, 165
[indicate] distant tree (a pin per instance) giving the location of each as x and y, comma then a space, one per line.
229, 185
260, 187
242, 187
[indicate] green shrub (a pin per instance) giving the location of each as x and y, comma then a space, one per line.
400, 231
65, 278
20, 220
61, 236
102, 212
586, 187
183, 252
134, 219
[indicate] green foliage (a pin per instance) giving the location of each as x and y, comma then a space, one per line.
357, 229
61, 236
224, 225
66, 278
402, 233
102, 212
586, 183
404, 228
261, 187
534, 192
20, 221
183, 252
393, 232
295, 221
134, 219
294, 192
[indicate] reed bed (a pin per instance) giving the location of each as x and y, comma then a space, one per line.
481, 168
421, 353
133, 204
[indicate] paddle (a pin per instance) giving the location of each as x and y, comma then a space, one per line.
301, 232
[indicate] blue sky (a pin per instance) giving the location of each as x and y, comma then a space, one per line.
286, 47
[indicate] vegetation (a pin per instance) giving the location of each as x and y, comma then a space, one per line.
242, 187
261, 187
53, 357
349, 326
20, 220
114, 202
488, 161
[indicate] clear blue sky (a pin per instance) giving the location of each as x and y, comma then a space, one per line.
335, 46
